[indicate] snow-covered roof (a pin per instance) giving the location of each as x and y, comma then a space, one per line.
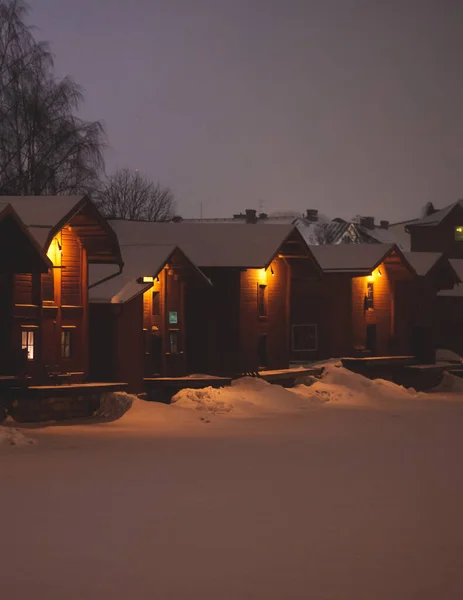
422, 262
43, 211
139, 261
46, 215
360, 258
437, 217
38, 259
457, 291
457, 265
218, 245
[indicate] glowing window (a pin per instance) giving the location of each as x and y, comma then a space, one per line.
28, 342
66, 343
459, 233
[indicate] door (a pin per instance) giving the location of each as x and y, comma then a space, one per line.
262, 350
370, 342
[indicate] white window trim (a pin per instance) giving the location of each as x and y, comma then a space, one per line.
304, 349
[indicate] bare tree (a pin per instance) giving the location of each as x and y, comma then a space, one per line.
131, 195
44, 147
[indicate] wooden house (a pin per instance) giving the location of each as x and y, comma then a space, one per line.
439, 231
20, 255
243, 324
50, 310
360, 306
138, 326
448, 314
435, 274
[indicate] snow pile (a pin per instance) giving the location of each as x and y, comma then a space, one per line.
445, 355
343, 386
450, 383
250, 395
14, 437
114, 405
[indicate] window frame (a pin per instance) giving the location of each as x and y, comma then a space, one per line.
370, 295
155, 294
262, 300
66, 331
458, 233
298, 325
27, 345
176, 333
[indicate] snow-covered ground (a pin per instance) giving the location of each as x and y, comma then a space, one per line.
343, 490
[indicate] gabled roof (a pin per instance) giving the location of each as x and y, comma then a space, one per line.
422, 262
46, 215
19, 250
437, 217
457, 265
212, 245
354, 258
139, 262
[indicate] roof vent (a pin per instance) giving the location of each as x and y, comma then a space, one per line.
367, 222
311, 214
251, 215
384, 224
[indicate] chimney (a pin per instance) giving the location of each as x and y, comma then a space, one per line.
384, 224
251, 215
239, 216
263, 216
311, 214
367, 222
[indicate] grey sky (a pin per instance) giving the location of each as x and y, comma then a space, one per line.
348, 106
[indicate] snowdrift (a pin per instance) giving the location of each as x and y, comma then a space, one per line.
337, 386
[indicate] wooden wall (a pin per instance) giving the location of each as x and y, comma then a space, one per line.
327, 304
161, 357
274, 326
52, 303
439, 238
381, 314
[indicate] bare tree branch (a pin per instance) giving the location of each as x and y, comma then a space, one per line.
130, 195
44, 147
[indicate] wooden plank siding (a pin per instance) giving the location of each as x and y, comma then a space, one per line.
274, 326
52, 303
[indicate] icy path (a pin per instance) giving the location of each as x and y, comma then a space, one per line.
334, 503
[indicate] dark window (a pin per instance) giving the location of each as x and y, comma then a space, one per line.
174, 338
28, 342
305, 337
459, 233
156, 304
262, 300
66, 343
370, 295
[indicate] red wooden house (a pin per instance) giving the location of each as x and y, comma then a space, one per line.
439, 231
137, 319
20, 255
50, 311
435, 274
448, 313
242, 325
360, 306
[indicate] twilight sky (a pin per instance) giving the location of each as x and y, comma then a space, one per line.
348, 106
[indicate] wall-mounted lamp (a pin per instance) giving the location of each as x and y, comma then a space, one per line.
379, 273
147, 279
157, 279
271, 270
60, 247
